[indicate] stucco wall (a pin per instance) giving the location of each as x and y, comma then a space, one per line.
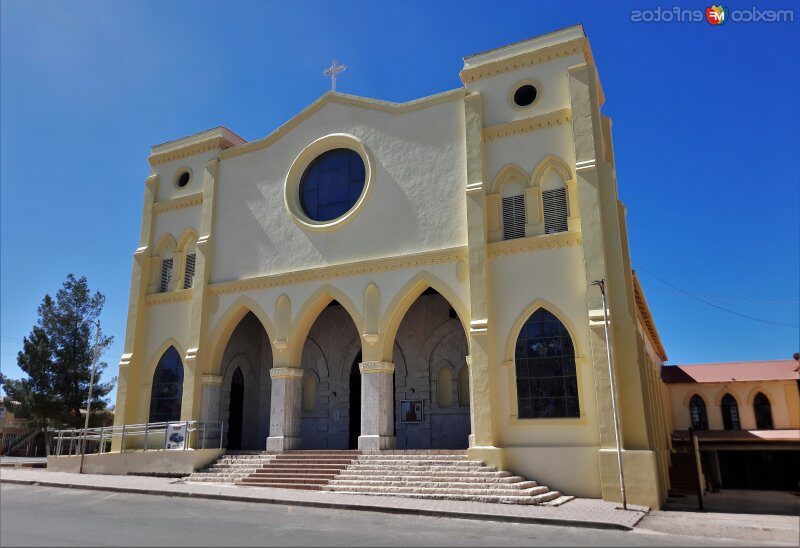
783, 398
414, 203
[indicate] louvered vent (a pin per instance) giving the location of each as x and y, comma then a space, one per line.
513, 217
554, 203
166, 274
188, 276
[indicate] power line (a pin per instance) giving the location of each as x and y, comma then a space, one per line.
728, 310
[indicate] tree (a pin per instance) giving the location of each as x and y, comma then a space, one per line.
57, 357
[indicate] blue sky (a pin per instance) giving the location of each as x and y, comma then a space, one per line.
705, 128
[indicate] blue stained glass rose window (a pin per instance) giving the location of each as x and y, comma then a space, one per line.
332, 184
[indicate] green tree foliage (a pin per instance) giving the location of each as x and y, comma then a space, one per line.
57, 357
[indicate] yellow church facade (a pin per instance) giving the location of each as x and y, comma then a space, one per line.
377, 275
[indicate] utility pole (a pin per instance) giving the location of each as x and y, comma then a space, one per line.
602, 285
95, 350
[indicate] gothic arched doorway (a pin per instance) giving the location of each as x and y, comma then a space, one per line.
236, 410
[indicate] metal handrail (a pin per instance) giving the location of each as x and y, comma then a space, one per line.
22, 442
73, 439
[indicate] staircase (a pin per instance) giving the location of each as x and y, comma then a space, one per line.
309, 470
231, 467
439, 475
423, 474
682, 475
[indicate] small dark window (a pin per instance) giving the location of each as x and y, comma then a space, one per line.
167, 390
763, 412
698, 409
545, 366
332, 184
183, 179
730, 413
525, 95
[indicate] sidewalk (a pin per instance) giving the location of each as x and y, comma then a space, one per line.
576, 513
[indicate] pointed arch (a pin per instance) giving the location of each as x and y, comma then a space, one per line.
156, 356
165, 245
698, 413
762, 409
509, 172
224, 327
405, 297
751, 397
444, 384
547, 164
187, 241
311, 310
513, 334
730, 412
166, 386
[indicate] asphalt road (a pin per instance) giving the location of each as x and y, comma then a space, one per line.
46, 516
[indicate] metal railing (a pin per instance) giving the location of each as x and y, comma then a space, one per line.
147, 436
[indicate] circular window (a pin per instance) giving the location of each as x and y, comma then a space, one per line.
332, 184
183, 179
525, 95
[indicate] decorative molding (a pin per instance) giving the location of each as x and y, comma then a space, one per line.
179, 203
370, 338
426, 258
375, 367
212, 379
543, 55
647, 317
206, 145
525, 125
347, 100
285, 373
170, 296
535, 243
477, 186
479, 327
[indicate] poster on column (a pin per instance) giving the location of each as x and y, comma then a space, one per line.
176, 435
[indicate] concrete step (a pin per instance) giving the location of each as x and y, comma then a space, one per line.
494, 499
399, 469
391, 457
413, 490
431, 476
421, 484
281, 485
312, 462
424, 473
418, 462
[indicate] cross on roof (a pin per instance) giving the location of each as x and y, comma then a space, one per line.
333, 71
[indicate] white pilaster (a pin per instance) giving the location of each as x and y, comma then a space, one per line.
377, 406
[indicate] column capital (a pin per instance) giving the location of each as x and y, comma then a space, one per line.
376, 367
286, 373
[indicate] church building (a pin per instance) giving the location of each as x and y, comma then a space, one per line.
407, 276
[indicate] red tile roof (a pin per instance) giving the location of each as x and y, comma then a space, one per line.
774, 370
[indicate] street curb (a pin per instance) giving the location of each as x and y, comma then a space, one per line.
333, 505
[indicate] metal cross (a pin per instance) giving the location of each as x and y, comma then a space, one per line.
333, 71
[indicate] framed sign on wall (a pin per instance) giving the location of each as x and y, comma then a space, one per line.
411, 411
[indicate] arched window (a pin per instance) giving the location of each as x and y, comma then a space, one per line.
167, 390
166, 274
554, 203
310, 382
463, 387
730, 413
444, 387
188, 272
698, 409
547, 385
763, 412
513, 209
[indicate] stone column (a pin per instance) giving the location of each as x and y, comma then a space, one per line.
284, 417
377, 406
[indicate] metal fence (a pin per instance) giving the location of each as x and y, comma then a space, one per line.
147, 436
